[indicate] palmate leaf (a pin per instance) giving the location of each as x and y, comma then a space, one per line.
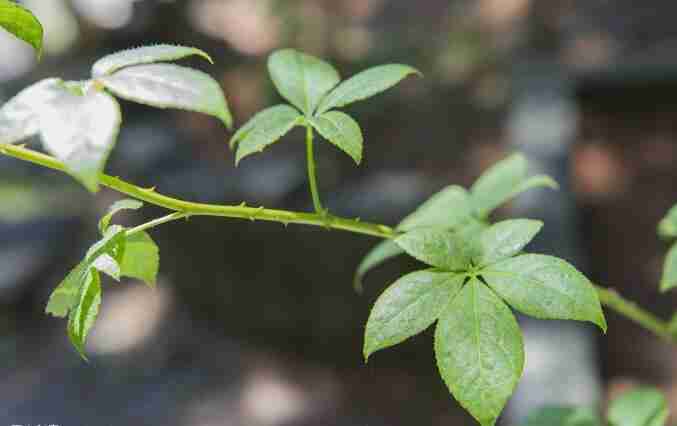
448, 250
365, 85
408, 307
20, 22
144, 55
301, 79
479, 351
505, 239
83, 316
264, 129
545, 287
20, 116
639, 407
81, 131
170, 86
341, 130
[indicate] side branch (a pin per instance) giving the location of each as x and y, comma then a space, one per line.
200, 209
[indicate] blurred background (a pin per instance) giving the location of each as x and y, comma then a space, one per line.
254, 324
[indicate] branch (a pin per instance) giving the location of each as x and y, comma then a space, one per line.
181, 208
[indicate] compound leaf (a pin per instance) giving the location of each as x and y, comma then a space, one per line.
669, 275
264, 129
381, 252
341, 130
545, 287
170, 86
408, 307
479, 351
20, 22
448, 208
81, 130
439, 247
505, 239
82, 318
120, 205
365, 85
639, 407
144, 55
141, 259
301, 79
20, 116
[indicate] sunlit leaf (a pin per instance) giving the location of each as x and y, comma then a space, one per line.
479, 351
83, 316
301, 79
170, 86
144, 55
667, 227
669, 275
365, 85
81, 131
118, 206
141, 259
545, 287
22, 23
264, 129
409, 306
341, 130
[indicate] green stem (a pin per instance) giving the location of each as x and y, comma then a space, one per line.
199, 209
181, 208
312, 178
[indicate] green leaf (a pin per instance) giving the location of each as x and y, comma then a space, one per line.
144, 55
264, 129
439, 247
65, 296
341, 130
563, 416
639, 407
545, 287
408, 307
108, 265
479, 351
81, 131
381, 252
120, 205
667, 227
170, 86
82, 318
669, 275
301, 79
505, 239
141, 258
22, 23
448, 208
20, 116
365, 85
503, 181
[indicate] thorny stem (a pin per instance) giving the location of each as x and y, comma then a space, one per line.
609, 298
312, 177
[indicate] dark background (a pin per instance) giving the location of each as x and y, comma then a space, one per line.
254, 324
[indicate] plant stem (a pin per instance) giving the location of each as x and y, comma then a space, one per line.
199, 209
609, 298
312, 178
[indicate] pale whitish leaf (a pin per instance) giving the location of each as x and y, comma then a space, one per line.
108, 265
408, 307
301, 79
20, 116
141, 259
479, 351
268, 129
505, 239
365, 85
381, 252
144, 55
448, 208
439, 247
545, 287
22, 23
82, 317
563, 416
170, 86
667, 227
341, 130
120, 205
268, 118
639, 407
669, 275
81, 131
